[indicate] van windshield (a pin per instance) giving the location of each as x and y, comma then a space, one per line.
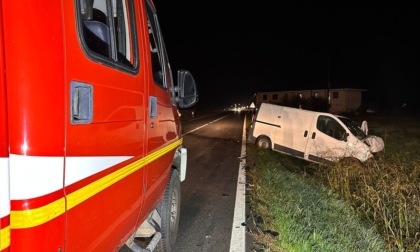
352, 126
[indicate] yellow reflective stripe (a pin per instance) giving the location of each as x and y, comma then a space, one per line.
4, 238
38, 216
152, 157
90, 190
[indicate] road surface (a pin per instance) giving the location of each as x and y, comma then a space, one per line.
209, 192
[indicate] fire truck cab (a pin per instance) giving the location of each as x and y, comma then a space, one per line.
91, 152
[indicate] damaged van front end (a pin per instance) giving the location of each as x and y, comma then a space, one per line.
363, 146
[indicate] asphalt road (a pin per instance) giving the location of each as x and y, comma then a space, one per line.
209, 191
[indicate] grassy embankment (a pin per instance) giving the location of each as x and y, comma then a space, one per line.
345, 207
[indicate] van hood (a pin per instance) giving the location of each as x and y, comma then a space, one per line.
375, 143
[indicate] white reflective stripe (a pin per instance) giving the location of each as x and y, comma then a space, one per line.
4, 187
78, 168
34, 176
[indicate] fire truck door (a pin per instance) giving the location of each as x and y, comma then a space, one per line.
162, 121
105, 122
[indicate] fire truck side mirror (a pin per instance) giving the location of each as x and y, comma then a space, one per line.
186, 91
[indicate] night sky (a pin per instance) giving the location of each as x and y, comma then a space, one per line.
236, 48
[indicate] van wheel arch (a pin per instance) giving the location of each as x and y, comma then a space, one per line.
263, 142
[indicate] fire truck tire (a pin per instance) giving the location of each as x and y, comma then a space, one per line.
169, 209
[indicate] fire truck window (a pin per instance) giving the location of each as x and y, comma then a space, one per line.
156, 48
123, 35
108, 31
96, 31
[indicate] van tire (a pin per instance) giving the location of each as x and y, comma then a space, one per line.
264, 142
169, 209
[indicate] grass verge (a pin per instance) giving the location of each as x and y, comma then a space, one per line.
306, 215
326, 208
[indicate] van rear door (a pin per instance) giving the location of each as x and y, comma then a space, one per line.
266, 122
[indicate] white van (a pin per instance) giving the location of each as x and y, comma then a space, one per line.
313, 136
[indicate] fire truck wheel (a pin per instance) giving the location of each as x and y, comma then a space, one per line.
169, 209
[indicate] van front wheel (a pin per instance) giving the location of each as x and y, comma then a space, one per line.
264, 142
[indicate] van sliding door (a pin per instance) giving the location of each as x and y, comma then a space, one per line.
293, 134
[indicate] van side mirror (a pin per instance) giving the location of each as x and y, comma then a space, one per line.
186, 94
364, 128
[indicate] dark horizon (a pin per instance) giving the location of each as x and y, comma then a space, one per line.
236, 49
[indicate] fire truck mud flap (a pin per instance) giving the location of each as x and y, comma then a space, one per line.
180, 161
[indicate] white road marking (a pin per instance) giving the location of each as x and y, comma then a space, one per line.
237, 241
202, 126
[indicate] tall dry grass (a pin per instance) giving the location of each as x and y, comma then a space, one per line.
386, 191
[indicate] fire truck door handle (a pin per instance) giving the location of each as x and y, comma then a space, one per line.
81, 103
152, 107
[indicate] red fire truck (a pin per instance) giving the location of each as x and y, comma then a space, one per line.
91, 153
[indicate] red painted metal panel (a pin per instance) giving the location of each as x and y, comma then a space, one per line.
47, 237
34, 64
4, 144
100, 223
35, 70
4, 140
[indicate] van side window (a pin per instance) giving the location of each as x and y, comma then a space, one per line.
331, 127
107, 31
162, 74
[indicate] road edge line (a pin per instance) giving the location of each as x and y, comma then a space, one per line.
237, 241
